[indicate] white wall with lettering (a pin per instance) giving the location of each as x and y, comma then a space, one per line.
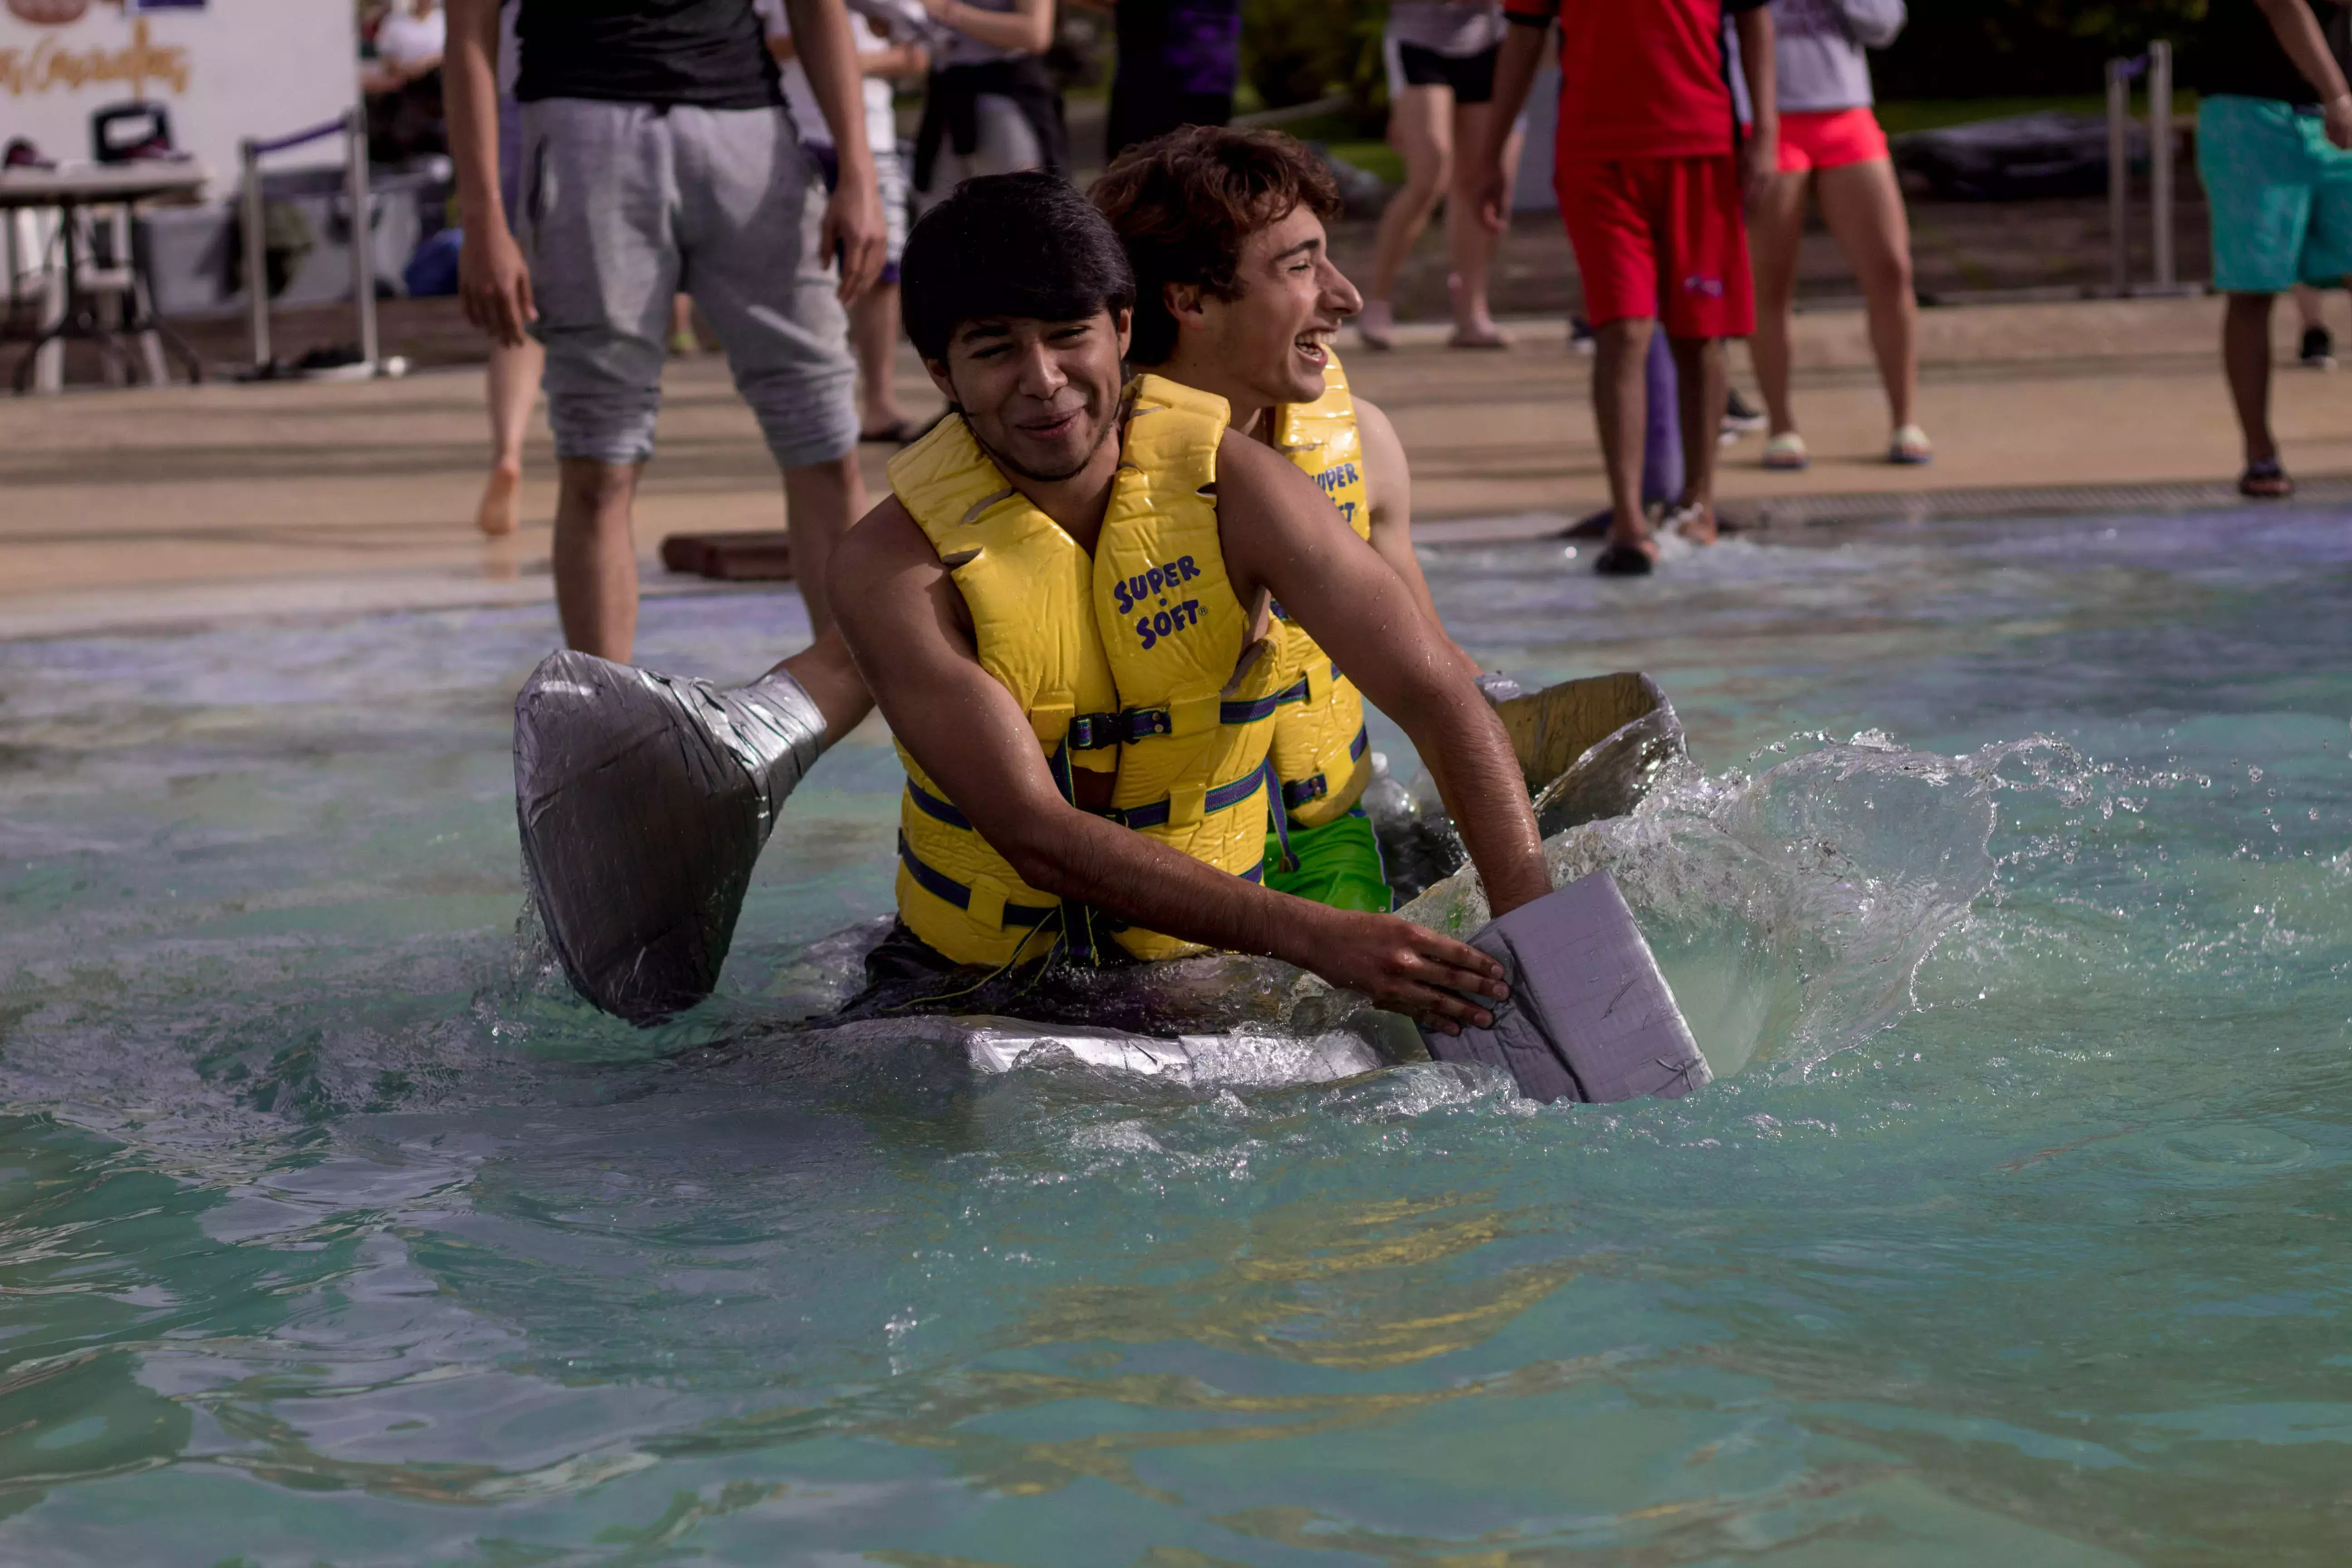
223, 71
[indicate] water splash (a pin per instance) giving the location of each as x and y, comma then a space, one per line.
1790, 908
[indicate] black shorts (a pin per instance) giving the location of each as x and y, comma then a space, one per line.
1472, 77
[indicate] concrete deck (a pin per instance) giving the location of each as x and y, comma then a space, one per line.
158, 506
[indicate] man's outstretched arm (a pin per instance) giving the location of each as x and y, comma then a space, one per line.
1280, 534
902, 616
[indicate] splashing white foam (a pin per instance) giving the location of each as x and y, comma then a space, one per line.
1791, 910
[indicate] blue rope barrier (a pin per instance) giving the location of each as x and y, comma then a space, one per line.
278, 145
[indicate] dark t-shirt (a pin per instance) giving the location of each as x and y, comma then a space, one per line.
2238, 53
1180, 46
709, 53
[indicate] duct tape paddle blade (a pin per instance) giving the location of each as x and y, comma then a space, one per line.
1591, 1017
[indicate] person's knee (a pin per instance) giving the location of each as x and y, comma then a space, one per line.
825, 494
1694, 354
1885, 273
1424, 182
1620, 351
600, 490
823, 473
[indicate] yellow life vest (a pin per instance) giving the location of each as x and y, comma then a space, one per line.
1321, 750
1137, 660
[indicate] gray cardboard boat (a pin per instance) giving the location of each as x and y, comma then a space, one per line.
644, 801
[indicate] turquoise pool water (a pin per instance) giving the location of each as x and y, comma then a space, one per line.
330, 1233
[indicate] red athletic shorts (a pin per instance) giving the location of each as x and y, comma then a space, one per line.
1663, 238
1829, 139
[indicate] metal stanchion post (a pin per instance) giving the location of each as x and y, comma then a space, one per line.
2119, 176
355, 185
257, 254
2159, 150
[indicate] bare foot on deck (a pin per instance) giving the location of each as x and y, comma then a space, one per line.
501, 509
1694, 522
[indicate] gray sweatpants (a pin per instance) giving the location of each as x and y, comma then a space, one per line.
626, 204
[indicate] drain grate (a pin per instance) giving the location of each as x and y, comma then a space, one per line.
2025, 500
1792, 512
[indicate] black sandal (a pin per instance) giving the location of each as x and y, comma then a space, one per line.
1622, 560
2265, 480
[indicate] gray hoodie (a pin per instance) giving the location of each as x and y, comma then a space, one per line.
1821, 44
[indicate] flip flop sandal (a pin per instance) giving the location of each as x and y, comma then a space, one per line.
1477, 340
1786, 453
1620, 560
1910, 447
897, 433
2265, 480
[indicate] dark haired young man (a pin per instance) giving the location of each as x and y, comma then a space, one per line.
1064, 610
1236, 294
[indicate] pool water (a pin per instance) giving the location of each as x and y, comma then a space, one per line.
2013, 906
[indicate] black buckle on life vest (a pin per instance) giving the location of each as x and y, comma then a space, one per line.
1295, 795
1095, 732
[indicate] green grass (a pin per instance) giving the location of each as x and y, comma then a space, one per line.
1378, 157
1341, 133
1934, 113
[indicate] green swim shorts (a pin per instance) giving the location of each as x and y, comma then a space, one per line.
2279, 193
1336, 864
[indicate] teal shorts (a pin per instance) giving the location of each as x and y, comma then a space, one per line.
1336, 864
2281, 195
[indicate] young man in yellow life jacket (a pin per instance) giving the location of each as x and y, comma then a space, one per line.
1236, 295
639, 894
1065, 611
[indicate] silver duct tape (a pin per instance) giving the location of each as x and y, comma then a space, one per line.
773, 726
1243, 1060
1589, 1016
644, 802
1500, 688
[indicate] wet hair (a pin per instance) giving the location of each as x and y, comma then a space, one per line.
1184, 204
1009, 245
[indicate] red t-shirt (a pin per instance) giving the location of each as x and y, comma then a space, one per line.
1638, 78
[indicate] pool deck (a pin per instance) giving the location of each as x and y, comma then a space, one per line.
147, 508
